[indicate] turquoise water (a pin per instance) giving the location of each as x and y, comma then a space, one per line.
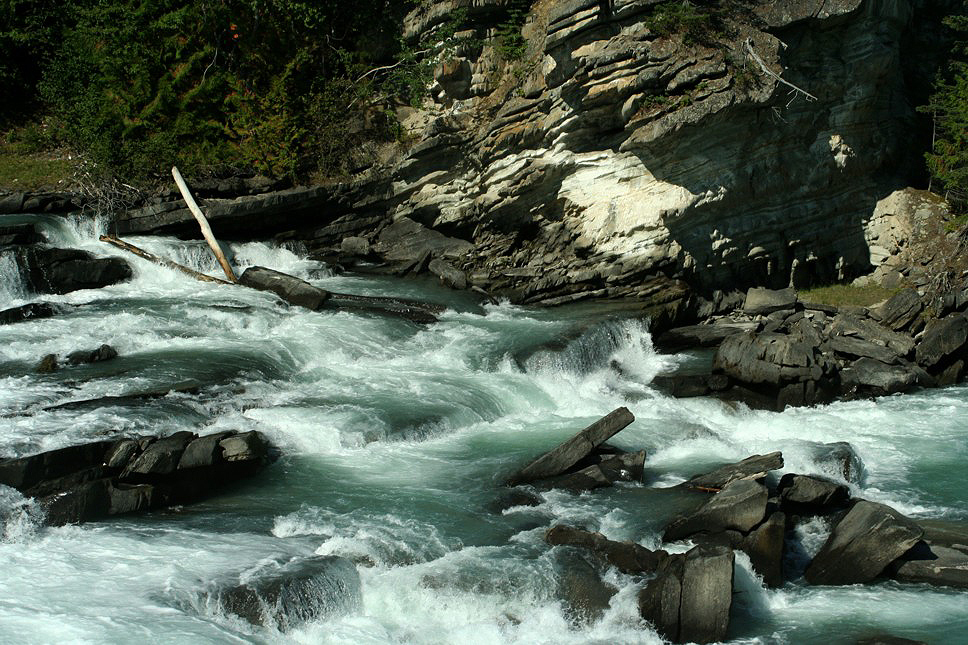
396, 438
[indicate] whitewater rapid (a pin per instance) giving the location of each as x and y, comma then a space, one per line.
395, 439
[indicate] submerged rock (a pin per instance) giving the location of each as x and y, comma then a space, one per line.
296, 592
102, 353
31, 311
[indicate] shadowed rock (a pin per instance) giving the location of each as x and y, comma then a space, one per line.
739, 506
64, 270
569, 453
31, 311
806, 493
867, 539
934, 564
764, 546
581, 588
899, 310
102, 353
942, 338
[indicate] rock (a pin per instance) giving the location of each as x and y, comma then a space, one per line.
839, 459
160, 457
18, 234
248, 446
24, 473
942, 339
869, 376
297, 592
760, 301
580, 587
860, 348
102, 353
407, 241
627, 557
47, 365
514, 497
867, 539
31, 311
846, 324
767, 358
690, 598
886, 639
358, 246
900, 310
755, 467
943, 566
64, 270
451, 277
764, 546
204, 451
711, 335
12, 203
739, 506
289, 288
575, 449
120, 454
805, 493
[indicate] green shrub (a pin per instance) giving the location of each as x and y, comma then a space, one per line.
683, 17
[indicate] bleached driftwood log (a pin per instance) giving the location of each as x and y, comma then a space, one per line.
157, 259
203, 223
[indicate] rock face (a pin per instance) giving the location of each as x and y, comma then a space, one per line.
618, 160
97, 480
862, 545
65, 270
298, 591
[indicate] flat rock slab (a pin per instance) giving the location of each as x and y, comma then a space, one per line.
290, 288
899, 310
942, 566
755, 467
569, 453
760, 301
739, 506
862, 544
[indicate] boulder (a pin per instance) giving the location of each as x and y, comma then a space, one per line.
31, 311
887, 639
514, 497
581, 588
47, 365
811, 494
17, 234
898, 311
290, 288
24, 473
204, 451
102, 353
569, 453
867, 376
295, 592
65, 270
839, 458
690, 598
358, 246
121, 453
449, 276
684, 386
860, 348
760, 301
407, 241
767, 358
942, 339
862, 544
764, 546
847, 324
247, 446
755, 467
161, 457
934, 564
710, 335
627, 557
739, 506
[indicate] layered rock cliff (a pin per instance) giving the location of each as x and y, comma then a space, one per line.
618, 159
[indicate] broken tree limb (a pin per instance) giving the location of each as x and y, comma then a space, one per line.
203, 223
748, 45
151, 257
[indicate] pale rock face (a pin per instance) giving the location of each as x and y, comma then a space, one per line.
897, 222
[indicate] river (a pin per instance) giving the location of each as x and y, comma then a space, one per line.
395, 438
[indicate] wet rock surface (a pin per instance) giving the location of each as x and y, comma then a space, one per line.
97, 480
49, 270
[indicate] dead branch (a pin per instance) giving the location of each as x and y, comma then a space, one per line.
796, 91
203, 223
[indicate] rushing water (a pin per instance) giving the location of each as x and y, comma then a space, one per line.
395, 439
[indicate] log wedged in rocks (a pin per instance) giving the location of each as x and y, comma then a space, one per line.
50, 270
296, 592
627, 557
862, 544
30, 311
96, 480
571, 452
690, 599
754, 467
739, 506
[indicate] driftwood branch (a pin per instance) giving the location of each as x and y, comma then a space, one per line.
388, 67
203, 223
151, 257
748, 45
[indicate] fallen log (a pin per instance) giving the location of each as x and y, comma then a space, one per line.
203, 223
165, 262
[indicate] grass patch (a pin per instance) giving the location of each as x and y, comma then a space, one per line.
840, 295
33, 171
